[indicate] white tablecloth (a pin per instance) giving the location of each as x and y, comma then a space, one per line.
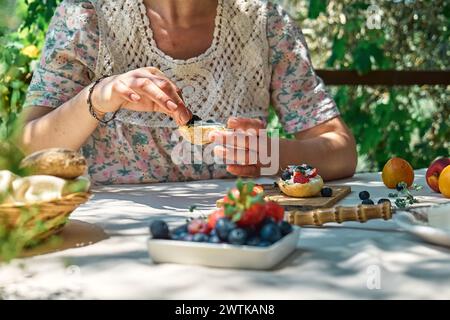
336, 261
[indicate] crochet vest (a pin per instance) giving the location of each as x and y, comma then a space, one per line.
232, 78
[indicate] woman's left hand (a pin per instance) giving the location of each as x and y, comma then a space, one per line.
239, 149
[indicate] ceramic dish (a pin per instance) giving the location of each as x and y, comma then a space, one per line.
223, 255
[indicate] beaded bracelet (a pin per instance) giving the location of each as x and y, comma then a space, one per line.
91, 106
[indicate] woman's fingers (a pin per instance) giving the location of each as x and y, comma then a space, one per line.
230, 155
236, 139
245, 123
154, 93
125, 92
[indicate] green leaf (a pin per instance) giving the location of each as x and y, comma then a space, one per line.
338, 51
249, 186
240, 186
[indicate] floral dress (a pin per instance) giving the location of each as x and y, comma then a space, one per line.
128, 153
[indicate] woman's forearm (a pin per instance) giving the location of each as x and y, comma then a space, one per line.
333, 153
68, 126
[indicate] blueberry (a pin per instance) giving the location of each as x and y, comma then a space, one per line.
286, 175
400, 186
268, 220
179, 236
213, 233
251, 232
214, 239
159, 230
237, 236
364, 195
194, 119
264, 244
253, 241
285, 228
383, 200
188, 237
270, 232
326, 192
224, 227
200, 237
367, 201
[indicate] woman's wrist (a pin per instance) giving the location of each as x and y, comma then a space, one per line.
95, 109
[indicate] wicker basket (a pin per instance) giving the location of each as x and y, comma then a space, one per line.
40, 221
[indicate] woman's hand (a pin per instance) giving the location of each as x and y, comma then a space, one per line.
144, 89
240, 149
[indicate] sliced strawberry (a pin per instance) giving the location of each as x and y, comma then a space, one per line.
257, 189
301, 179
199, 226
235, 193
252, 216
213, 217
274, 210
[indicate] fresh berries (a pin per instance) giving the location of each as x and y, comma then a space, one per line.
274, 210
181, 229
286, 175
383, 200
214, 239
252, 216
367, 201
326, 192
253, 241
285, 228
312, 173
237, 236
364, 195
301, 179
401, 186
198, 226
200, 237
159, 230
224, 227
247, 219
270, 232
213, 217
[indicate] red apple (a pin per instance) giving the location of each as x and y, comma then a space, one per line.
433, 172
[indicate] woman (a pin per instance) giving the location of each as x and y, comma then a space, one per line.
150, 64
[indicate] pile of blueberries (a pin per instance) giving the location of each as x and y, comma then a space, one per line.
365, 197
225, 231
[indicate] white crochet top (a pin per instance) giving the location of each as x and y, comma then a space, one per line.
231, 78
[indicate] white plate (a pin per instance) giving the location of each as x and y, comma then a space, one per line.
413, 224
223, 255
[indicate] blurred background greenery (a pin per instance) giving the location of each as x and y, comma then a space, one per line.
409, 122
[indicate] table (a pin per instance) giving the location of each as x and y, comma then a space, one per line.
333, 262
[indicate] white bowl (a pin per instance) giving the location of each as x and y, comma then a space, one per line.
410, 223
223, 255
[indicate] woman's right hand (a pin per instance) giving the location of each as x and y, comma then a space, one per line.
144, 89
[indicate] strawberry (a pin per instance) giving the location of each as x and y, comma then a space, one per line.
213, 217
198, 226
274, 210
301, 179
252, 216
235, 194
312, 173
257, 189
